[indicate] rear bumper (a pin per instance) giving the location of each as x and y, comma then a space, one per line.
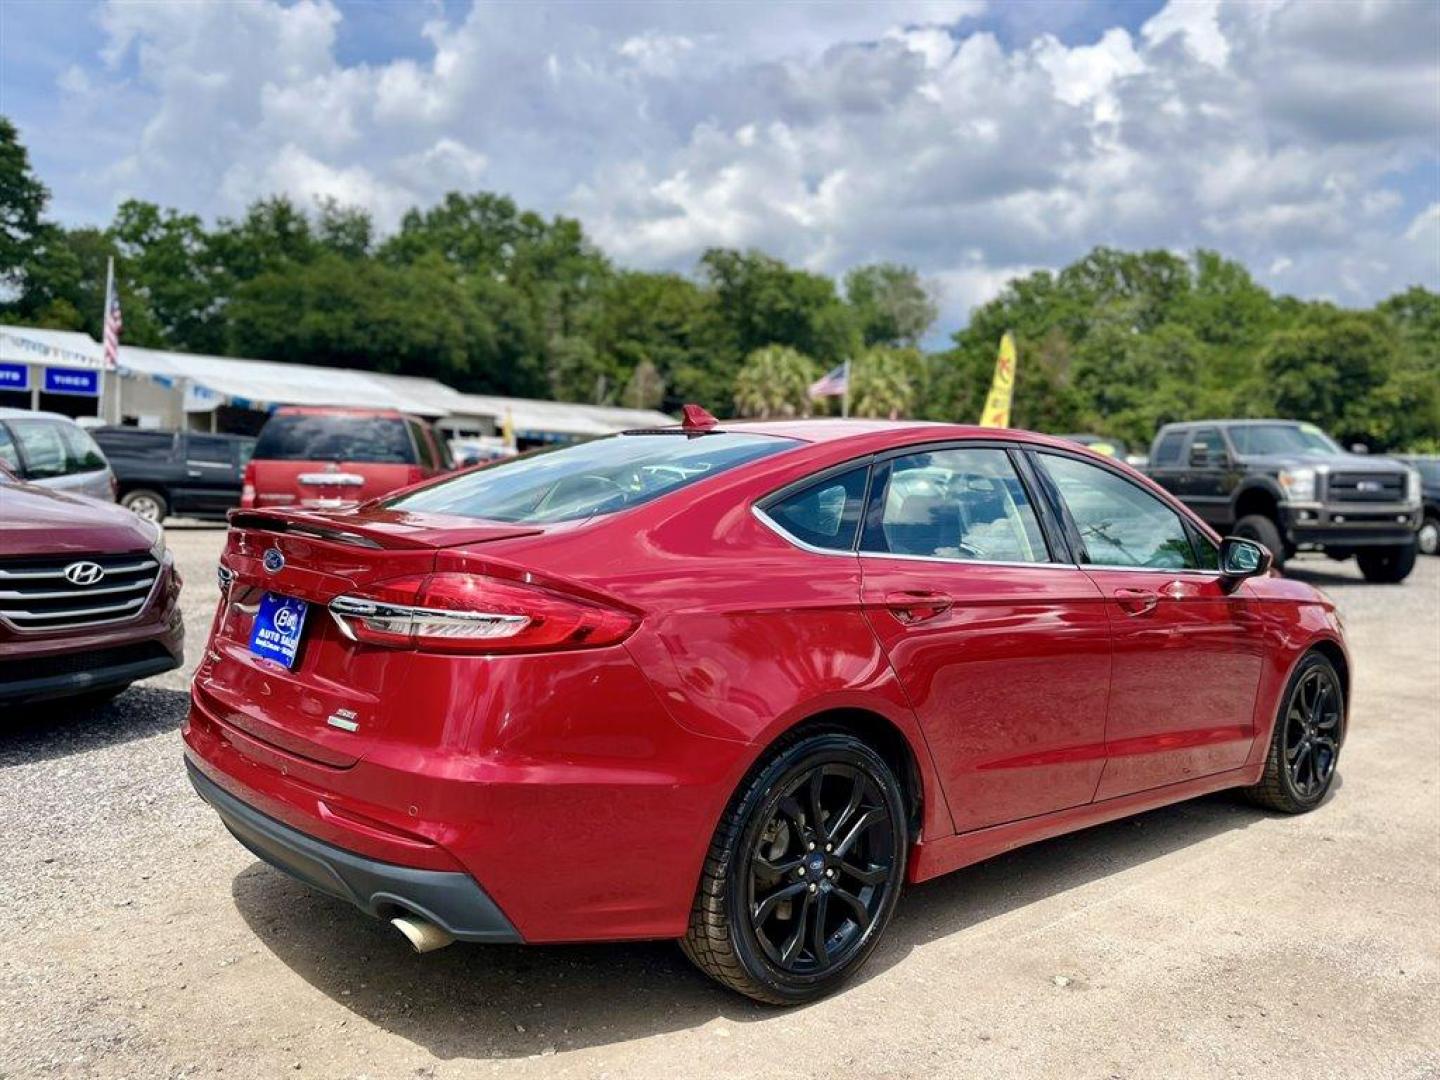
450, 899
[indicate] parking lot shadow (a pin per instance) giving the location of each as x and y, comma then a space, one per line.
56, 729
487, 1002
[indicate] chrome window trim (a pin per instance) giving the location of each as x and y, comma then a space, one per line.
793, 541
779, 530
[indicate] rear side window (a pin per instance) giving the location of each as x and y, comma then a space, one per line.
963, 504
135, 443
589, 479
52, 448
1167, 450
427, 450
335, 437
825, 514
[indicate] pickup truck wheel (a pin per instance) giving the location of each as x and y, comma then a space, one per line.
1387, 565
1428, 539
147, 504
1263, 531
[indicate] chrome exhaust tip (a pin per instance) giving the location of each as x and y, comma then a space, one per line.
423, 935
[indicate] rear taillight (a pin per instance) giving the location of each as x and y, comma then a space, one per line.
247, 492
473, 613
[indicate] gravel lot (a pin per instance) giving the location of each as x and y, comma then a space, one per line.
1208, 939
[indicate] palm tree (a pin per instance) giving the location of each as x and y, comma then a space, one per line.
774, 381
885, 382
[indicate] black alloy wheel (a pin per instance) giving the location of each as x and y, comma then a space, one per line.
804, 872
1306, 744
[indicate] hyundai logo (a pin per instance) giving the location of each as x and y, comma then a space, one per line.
274, 561
83, 573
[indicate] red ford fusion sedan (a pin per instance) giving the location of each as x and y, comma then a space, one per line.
737, 684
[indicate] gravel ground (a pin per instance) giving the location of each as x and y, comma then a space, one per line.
1207, 939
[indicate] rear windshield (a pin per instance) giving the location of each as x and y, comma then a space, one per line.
592, 478
323, 437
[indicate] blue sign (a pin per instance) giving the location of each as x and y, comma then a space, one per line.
278, 624
64, 380
14, 376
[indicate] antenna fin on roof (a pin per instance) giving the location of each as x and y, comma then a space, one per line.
697, 419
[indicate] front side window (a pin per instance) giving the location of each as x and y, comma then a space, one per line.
1120, 524
335, 437
589, 479
1208, 446
53, 448
825, 514
963, 504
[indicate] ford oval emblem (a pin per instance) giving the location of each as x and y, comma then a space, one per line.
273, 560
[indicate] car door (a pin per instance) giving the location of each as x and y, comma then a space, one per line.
211, 483
1002, 646
1207, 485
1187, 649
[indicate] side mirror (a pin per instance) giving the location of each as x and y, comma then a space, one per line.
1241, 559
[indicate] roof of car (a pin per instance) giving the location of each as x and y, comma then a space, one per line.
8, 413
342, 410
829, 429
1247, 422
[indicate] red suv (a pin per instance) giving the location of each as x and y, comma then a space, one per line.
326, 458
88, 596
737, 685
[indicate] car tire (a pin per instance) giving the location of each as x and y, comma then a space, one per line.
1265, 532
1305, 745
146, 504
1427, 540
1387, 565
790, 856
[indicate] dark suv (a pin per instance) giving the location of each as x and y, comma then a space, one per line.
1289, 485
187, 473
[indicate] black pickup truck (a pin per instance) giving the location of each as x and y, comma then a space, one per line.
189, 473
1290, 486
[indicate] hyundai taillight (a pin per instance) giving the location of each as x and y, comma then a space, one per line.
473, 613
247, 492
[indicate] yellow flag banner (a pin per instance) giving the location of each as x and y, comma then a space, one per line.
1002, 389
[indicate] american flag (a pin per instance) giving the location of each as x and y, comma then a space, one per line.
113, 322
834, 383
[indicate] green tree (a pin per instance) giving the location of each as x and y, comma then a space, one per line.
891, 304
22, 207
761, 301
886, 382
774, 382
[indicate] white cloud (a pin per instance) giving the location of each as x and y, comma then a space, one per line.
1296, 136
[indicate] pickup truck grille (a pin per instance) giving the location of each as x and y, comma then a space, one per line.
36, 594
1367, 487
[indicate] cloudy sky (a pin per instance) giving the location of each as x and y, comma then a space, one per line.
974, 140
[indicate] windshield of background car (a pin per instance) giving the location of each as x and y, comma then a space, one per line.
328, 437
1280, 439
589, 479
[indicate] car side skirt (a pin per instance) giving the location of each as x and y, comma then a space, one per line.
931, 858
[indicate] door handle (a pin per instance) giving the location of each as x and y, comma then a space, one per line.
917, 606
1136, 601
194, 472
